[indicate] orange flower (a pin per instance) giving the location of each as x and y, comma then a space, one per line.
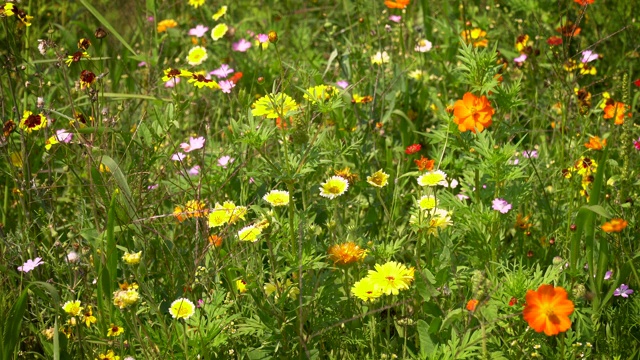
569, 30
617, 111
424, 164
396, 4
472, 113
584, 2
347, 253
475, 36
471, 304
615, 225
595, 143
548, 310
215, 240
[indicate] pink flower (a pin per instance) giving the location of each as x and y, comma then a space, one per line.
64, 136
533, 154
501, 205
462, 196
520, 59
194, 170
262, 38
152, 187
194, 144
198, 31
222, 72
636, 144
178, 156
623, 291
242, 45
589, 56
343, 84
142, 63
226, 86
224, 161
30, 265
395, 18
172, 82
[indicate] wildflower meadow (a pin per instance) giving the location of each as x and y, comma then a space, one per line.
326, 179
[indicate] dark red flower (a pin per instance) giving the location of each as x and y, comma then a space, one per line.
554, 41
513, 301
412, 149
637, 82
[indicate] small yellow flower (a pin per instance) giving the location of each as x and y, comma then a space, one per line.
50, 142
88, 317
175, 73
320, 93
366, 290
440, 219
32, 122
196, 3
219, 31
334, 187
274, 106
8, 9
427, 202
250, 233
197, 55
72, 308
380, 58
220, 13
416, 75
126, 296
132, 258
182, 309
241, 285
115, 330
277, 198
378, 179
108, 356
166, 24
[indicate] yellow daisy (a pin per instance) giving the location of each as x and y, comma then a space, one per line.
197, 55
219, 31
366, 290
391, 277
334, 187
182, 309
378, 179
250, 233
274, 106
115, 330
277, 198
32, 122
72, 308
427, 202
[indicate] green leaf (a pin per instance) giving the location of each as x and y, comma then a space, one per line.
12, 326
426, 344
598, 210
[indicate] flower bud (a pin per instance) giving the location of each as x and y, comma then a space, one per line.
273, 37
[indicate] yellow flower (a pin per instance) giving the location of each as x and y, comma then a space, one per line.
132, 258
219, 31
235, 212
182, 309
320, 93
440, 219
7, 9
378, 179
197, 55
277, 198
108, 356
126, 296
286, 288
346, 253
88, 317
241, 285
220, 13
72, 308
76, 57
199, 80
521, 42
166, 24
475, 36
196, 3
432, 178
380, 58
196, 208
250, 233
427, 202
175, 73
391, 277
50, 142
273, 106
416, 75
334, 187
32, 122
115, 330
366, 289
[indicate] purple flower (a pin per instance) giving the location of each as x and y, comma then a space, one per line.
462, 197
242, 45
222, 72
608, 274
178, 156
198, 31
142, 63
64, 136
224, 161
395, 18
501, 205
194, 144
262, 38
520, 59
150, 18
343, 84
589, 56
30, 265
200, 303
152, 187
623, 291
226, 86
530, 154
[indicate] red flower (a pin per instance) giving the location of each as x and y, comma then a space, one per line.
236, 77
554, 41
471, 304
584, 2
513, 301
637, 82
412, 149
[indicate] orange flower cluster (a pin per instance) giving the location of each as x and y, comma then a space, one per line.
595, 143
472, 113
616, 110
548, 310
476, 36
396, 4
346, 253
615, 225
424, 164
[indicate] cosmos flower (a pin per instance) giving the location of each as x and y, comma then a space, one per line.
501, 205
198, 31
548, 310
226, 86
30, 265
242, 45
224, 161
222, 72
472, 113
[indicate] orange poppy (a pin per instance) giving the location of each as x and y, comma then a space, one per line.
617, 111
472, 113
615, 225
397, 4
595, 143
548, 310
471, 304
